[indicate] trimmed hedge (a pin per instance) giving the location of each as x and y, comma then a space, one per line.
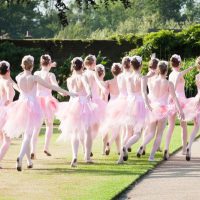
62, 49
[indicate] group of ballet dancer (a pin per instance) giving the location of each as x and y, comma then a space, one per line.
120, 109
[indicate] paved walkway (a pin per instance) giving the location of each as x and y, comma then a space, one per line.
175, 179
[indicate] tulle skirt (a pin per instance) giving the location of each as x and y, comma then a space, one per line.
191, 109
160, 108
115, 114
100, 109
49, 106
137, 114
22, 116
76, 117
190, 106
2, 115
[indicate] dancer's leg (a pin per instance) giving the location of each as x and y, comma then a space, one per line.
24, 148
171, 121
48, 135
88, 145
75, 145
184, 136
34, 139
192, 137
4, 147
151, 129
160, 129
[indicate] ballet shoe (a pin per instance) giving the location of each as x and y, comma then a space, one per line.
129, 149
151, 159
166, 155
159, 149
125, 154
140, 152
74, 163
184, 152
47, 153
91, 154
89, 161
120, 161
18, 165
30, 166
188, 156
32, 156
144, 152
107, 150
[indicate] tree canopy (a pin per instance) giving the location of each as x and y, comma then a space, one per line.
93, 18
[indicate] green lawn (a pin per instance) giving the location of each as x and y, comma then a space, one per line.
53, 178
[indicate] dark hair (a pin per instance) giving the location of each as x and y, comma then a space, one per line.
116, 69
174, 62
100, 71
153, 63
4, 68
126, 62
45, 60
163, 67
135, 63
77, 64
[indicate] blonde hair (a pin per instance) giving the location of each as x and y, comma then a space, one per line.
27, 62
197, 63
89, 60
126, 62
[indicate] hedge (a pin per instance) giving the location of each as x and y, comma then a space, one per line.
165, 43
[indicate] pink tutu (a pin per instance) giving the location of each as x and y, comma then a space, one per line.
192, 108
49, 106
76, 117
188, 106
23, 116
137, 114
101, 108
115, 114
2, 115
160, 108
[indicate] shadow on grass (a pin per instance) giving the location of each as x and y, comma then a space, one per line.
90, 171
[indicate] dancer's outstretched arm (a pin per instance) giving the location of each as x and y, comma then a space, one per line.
52, 87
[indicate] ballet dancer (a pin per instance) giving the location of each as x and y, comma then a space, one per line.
160, 109
113, 91
177, 78
47, 103
24, 115
79, 114
138, 103
7, 94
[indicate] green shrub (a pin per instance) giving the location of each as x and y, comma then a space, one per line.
165, 43
190, 84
